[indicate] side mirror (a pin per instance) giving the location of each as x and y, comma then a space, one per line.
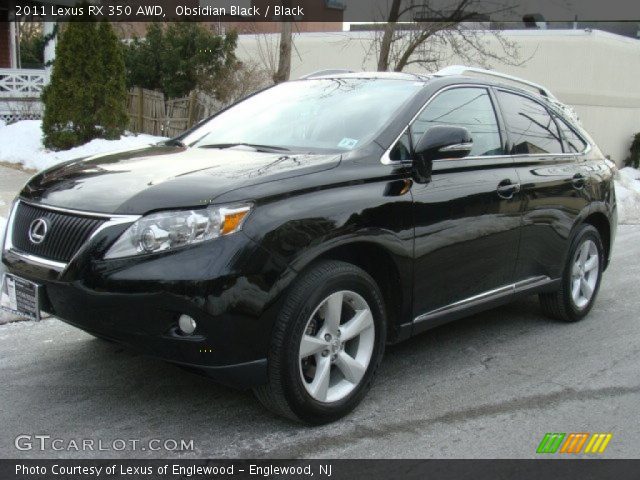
439, 142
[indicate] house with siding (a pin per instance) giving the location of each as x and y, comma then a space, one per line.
20, 88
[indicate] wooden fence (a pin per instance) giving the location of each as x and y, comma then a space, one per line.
149, 112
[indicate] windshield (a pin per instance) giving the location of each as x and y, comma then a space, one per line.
310, 115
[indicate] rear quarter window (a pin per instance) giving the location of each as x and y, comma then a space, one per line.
574, 142
531, 128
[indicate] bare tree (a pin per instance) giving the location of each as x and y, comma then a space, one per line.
284, 58
267, 49
274, 51
283, 72
416, 32
238, 81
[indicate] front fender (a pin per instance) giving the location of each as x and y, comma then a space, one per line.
301, 228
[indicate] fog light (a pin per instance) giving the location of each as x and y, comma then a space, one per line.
187, 324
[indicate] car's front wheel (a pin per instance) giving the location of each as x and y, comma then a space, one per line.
327, 344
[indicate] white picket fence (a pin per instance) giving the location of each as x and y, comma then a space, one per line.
20, 91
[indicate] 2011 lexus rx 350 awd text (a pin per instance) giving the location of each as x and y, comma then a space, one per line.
282, 243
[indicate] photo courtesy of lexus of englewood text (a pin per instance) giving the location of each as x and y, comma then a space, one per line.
319, 238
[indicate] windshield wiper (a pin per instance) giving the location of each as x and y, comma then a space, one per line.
260, 148
173, 142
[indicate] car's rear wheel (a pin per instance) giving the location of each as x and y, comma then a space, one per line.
327, 344
580, 280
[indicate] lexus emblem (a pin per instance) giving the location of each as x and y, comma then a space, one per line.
38, 230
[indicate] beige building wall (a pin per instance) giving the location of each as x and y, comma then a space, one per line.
595, 72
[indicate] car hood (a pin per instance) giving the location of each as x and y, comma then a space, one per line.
163, 177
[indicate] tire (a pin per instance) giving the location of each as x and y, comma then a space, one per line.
295, 387
564, 304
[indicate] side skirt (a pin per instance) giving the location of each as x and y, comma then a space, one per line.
483, 301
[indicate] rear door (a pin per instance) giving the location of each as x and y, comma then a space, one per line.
467, 217
552, 183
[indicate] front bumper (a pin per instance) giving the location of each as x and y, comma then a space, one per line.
229, 286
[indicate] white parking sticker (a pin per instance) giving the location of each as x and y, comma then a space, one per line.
347, 142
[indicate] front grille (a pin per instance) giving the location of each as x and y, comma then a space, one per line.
66, 232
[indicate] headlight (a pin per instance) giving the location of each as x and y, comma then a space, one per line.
166, 230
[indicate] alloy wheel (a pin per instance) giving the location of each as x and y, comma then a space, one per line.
336, 346
584, 273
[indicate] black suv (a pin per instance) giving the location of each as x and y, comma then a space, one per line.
280, 244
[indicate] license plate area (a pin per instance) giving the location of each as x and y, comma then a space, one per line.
20, 297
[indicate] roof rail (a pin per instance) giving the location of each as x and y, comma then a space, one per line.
322, 73
539, 89
462, 69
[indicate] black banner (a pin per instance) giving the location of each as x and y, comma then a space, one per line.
320, 469
496, 11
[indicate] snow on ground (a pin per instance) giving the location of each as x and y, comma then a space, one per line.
21, 142
3, 224
628, 196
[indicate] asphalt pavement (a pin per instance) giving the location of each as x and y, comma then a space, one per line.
489, 386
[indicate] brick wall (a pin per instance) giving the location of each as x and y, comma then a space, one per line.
5, 59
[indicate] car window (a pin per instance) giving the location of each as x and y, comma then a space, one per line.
574, 142
468, 107
530, 127
309, 115
402, 149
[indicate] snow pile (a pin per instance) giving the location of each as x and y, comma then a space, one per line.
5, 317
21, 142
3, 224
628, 195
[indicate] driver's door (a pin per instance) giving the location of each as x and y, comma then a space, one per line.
467, 215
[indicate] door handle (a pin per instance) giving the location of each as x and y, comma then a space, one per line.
578, 181
507, 190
